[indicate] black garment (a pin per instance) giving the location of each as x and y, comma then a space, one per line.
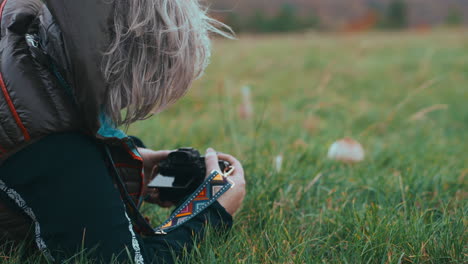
33, 102
86, 33
64, 180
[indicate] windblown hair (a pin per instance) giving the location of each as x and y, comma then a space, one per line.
158, 48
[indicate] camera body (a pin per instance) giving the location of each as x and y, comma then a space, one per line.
181, 174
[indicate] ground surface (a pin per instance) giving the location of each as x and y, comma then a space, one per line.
404, 96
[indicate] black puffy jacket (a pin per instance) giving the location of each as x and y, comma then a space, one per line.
50, 77
33, 101
51, 82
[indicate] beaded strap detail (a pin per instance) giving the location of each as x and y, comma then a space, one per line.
209, 191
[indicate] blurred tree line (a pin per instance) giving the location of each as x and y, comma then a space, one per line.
393, 16
286, 19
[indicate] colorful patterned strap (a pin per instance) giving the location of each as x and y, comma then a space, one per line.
211, 189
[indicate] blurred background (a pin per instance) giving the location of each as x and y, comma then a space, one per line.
339, 15
302, 74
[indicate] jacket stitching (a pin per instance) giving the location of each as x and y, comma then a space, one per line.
13, 111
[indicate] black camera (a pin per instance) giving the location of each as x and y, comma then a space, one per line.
180, 174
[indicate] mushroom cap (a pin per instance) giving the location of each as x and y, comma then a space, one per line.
346, 150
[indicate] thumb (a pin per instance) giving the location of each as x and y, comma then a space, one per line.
211, 161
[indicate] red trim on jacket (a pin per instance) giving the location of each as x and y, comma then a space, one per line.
131, 153
13, 111
142, 175
2, 150
1, 8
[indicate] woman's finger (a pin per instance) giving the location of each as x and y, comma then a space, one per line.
160, 155
151, 156
211, 161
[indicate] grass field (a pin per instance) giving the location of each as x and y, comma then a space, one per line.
406, 203
404, 96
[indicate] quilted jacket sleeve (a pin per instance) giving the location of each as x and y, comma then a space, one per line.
32, 101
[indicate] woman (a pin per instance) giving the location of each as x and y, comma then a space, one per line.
68, 69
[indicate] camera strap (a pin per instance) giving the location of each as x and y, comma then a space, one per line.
215, 185
138, 219
206, 194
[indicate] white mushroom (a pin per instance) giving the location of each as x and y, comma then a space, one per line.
346, 150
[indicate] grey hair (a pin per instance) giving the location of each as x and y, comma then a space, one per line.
158, 48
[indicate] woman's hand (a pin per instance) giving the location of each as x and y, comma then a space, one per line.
151, 159
232, 199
